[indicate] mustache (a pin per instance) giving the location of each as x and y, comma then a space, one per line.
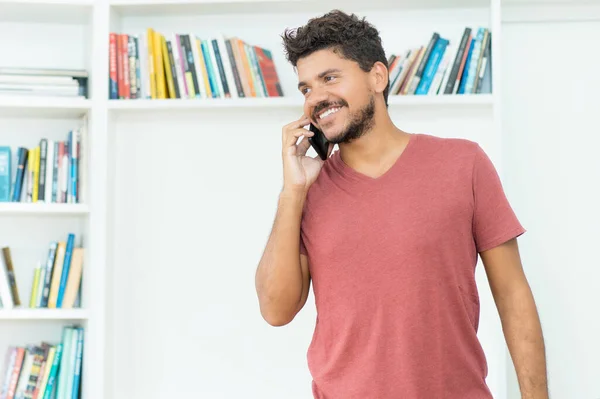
327, 104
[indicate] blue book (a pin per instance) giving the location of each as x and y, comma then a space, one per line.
474, 61
53, 376
62, 379
73, 160
210, 70
22, 157
78, 358
65, 269
5, 173
432, 66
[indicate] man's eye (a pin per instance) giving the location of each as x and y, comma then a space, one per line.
329, 78
305, 90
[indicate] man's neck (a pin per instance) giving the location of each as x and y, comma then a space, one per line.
377, 150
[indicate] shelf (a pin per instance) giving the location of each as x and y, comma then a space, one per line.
442, 100
46, 11
288, 102
191, 104
43, 314
54, 107
165, 7
24, 208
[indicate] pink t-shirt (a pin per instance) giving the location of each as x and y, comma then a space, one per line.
392, 261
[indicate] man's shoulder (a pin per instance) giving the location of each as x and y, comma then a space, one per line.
451, 145
443, 156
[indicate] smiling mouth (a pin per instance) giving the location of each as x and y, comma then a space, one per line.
328, 111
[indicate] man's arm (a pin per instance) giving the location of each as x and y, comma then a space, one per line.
282, 278
519, 316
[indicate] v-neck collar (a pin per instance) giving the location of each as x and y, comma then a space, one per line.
350, 174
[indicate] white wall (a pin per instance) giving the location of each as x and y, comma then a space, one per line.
552, 174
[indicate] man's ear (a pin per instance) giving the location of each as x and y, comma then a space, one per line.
379, 77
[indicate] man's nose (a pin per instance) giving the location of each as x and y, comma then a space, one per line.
316, 97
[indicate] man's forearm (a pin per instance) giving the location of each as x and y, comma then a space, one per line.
523, 333
279, 277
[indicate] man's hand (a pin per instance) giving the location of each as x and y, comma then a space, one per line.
520, 320
299, 170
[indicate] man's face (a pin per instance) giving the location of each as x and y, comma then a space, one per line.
338, 96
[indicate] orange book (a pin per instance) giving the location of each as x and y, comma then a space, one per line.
240, 67
246, 68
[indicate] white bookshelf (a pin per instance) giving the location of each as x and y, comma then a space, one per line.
39, 209
45, 314
74, 34
36, 107
54, 34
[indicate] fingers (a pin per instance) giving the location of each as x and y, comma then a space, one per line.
292, 131
303, 121
303, 146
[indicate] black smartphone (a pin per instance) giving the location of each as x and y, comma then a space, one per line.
319, 142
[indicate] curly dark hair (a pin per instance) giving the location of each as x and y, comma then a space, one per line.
351, 37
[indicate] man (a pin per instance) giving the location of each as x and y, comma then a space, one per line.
388, 229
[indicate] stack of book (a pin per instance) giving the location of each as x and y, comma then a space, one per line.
46, 370
44, 82
151, 65
443, 66
56, 279
51, 172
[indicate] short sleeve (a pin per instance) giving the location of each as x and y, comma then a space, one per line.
494, 220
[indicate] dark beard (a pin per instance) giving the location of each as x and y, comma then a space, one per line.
361, 122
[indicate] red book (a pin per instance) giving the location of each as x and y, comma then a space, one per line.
269, 73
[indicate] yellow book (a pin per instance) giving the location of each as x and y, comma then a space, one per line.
56, 273
167, 66
159, 69
203, 67
74, 279
34, 287
30, 168
47, 368
36, 173
151, 55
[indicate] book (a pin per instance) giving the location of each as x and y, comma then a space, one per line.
5, 173
45, 370
54, 171
444, 65
151, 65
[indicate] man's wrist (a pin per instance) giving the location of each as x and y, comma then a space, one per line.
292, 195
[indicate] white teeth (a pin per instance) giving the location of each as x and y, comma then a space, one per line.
328, 112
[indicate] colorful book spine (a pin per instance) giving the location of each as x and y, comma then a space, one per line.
65, 269
5, 173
